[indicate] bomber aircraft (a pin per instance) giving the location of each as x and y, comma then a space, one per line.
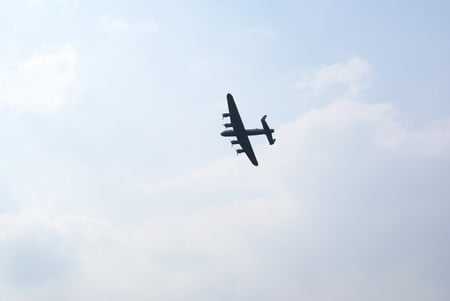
241, 134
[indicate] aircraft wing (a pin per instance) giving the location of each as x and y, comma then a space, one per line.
239, 129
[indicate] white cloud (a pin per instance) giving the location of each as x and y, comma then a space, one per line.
44, 83
353, 76
383, 126
121, 25
171, 255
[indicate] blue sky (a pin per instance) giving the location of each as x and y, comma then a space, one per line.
115, 183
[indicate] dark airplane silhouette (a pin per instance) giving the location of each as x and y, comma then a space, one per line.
241, 133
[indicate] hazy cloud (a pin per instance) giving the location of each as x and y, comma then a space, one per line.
351, 76
114, 24
42, 3
351, 203
46, 82
121, 25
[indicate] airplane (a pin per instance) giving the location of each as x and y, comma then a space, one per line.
241, 133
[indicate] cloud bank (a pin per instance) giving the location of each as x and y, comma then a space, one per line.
44, 83
353, 76
351, 203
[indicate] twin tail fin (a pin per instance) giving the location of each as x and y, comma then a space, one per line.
267, 130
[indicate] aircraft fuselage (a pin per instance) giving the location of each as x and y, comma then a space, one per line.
249, 132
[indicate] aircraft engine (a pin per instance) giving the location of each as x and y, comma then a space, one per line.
233, 142
224, 115
239, 151
228, 125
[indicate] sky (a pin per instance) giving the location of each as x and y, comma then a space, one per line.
115, 183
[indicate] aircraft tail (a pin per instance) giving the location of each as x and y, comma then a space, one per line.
268, 131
